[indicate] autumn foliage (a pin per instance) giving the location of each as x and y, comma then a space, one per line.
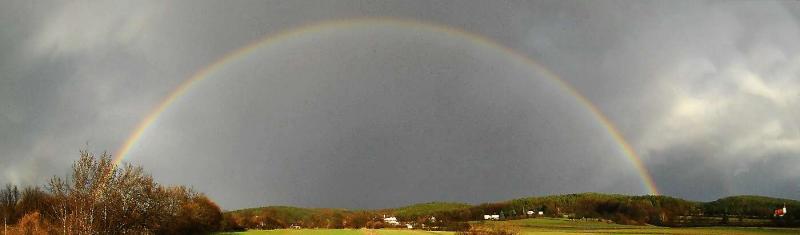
100, 197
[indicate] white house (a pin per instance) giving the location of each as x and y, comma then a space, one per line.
391, 220
491, 217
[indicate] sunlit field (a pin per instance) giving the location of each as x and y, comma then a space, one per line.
564, 226
302, 231
340, 232
545, 226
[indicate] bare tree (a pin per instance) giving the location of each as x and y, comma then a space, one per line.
9, 196
102, 198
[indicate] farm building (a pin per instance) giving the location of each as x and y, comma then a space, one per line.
780, 211
391, 220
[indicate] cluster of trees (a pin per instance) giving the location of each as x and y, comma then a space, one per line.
278, 217
657, 210
755, 206
102, 198
286, 217
745, 210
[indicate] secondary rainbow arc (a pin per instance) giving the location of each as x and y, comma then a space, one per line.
272, 39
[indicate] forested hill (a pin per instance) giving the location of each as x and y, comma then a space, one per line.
748, 205
624, 209
430, 208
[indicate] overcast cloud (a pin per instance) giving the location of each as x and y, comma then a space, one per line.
385, 115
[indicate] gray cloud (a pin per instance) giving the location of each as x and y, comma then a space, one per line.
714, 83
369, 117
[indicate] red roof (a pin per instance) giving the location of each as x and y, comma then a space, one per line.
779, 211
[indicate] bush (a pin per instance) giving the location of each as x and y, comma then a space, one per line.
32, 224
457, 226
375, 224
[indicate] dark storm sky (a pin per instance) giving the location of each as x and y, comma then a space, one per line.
385, 115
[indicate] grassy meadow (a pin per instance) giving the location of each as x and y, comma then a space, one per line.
545, 226
565, 226
340, 232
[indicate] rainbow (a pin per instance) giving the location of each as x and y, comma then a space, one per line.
272, 39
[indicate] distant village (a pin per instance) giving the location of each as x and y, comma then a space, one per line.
393, 221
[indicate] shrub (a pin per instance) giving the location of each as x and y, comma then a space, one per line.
32, 224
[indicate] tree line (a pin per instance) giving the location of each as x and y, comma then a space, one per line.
281, 217
99, 197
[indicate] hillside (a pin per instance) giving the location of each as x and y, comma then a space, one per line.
621, 209
747, 205
430, 208
287, 212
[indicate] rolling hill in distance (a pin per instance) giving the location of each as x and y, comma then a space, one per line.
744, 210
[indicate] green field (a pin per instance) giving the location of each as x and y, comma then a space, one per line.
339, 232
546, 226
564, 226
